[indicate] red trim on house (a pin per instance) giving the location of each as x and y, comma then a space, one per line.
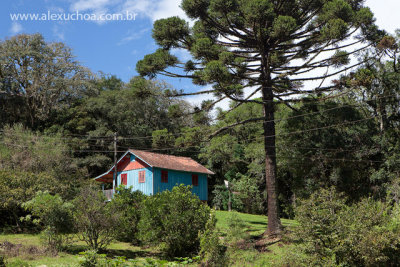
164, 176
134, 165
142, 176
195, 180
124, 179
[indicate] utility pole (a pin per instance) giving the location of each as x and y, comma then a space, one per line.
115, 161
227, 185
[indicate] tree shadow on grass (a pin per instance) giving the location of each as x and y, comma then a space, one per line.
75, 249
131, 254
128, 253
260, 223
112, 253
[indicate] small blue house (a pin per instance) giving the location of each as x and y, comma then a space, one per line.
153, 172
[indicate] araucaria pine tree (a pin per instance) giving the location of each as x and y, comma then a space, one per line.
269, 47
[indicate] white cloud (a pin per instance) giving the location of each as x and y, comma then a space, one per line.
58, 33
91, 5
97, 7
154, 9
224, 104
151, 9
167, 8
182, 54
133, 35
197, 99
386, 13
16, 28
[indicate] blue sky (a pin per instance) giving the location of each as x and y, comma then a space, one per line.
114, 47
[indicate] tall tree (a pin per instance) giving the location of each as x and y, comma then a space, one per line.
37, 78
377, 84
271, 47
144, 109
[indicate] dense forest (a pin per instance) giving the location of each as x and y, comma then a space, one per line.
336, 150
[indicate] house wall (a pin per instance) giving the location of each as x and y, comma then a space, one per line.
179, 177
132, 170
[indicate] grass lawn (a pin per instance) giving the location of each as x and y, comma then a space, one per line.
255, 226
30, 251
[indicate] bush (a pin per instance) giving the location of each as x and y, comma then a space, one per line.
94, 218
212, 252
17, 187
90, 258
128, 205
362, 234
174, 218
55, 215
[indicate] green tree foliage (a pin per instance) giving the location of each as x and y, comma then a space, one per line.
95, 221
174, 220
135, 109
128, 205
37, 79
259, 46
17, 187
333, 232
237, 154
55, 215
32, 162
377, 84
329, 144
246, 190
24, 150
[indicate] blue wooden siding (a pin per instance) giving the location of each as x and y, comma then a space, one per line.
179, 177
133, 179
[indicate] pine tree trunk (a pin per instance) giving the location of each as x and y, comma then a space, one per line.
274, 223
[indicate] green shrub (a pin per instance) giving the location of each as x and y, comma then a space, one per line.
90, 258
128, 205
174, 219
55, 215
94, 218
17, 187
361, 234
212, 252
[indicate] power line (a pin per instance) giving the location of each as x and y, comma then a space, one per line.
289, 133
205, 141
110, 137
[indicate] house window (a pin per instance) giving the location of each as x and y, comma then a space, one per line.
195, 180
164, 176
142, 176
124, 179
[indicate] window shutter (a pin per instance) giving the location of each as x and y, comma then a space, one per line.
164, 176
195, 180
142, 176
124, 179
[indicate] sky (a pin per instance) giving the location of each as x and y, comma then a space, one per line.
113, 46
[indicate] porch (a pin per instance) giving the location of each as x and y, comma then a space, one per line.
108, 193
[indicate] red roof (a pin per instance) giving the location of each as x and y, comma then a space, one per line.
170, 162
